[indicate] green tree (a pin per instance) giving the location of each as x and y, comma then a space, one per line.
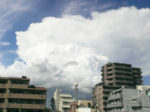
53, 104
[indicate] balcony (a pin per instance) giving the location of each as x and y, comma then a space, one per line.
26, 96
123, 67
110, 81
109, 72
65, 106
110, 76
124, 76
122, 71
109, 67
107, 90
136, 104
1, 105
105, 95
2, 95
66, 100
26, 106
123, 82
114, 105
3, 85
18, 86
114, 97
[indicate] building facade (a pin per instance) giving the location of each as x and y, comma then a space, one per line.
62, 101
16, 95
114, 76
101, 96
129, 100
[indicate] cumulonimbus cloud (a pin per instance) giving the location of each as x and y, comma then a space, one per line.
62, 51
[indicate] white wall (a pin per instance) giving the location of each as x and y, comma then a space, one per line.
83, 110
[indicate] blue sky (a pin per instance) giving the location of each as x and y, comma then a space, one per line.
17, 16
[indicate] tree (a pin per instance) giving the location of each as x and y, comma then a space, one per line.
53, 104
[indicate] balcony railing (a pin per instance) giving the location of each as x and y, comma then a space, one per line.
18, 86
114, 105
2, 95
121, 71
109, 72
3, 85
65, 106
26, 106
1, 105
110, 76
124, 76
114, 97
26, 96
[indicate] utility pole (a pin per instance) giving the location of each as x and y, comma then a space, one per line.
76, 94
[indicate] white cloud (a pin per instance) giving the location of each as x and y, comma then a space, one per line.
61, 51
85, 7
4, 43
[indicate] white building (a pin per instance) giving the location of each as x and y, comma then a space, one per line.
84, 109
144, 89
129, 100
62, 101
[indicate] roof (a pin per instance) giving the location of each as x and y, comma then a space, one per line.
40, 88
65, 95
17, 78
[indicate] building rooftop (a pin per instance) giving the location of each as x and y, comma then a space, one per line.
17, 78
65, 95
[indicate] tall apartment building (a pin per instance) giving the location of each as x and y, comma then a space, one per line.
129, 100
114, 76
16, 95
121, 74
62, 101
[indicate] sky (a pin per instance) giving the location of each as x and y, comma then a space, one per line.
59, 42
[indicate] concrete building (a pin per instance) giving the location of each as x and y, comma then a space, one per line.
129, 100
85, 109
62, 101
143, 89
121, 74
85, 103
83, 106
100, 96
114, 76
16, 95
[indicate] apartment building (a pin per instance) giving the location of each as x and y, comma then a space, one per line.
16, 95
101, 93
114, 76
121, 74
129, 100
62, 101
